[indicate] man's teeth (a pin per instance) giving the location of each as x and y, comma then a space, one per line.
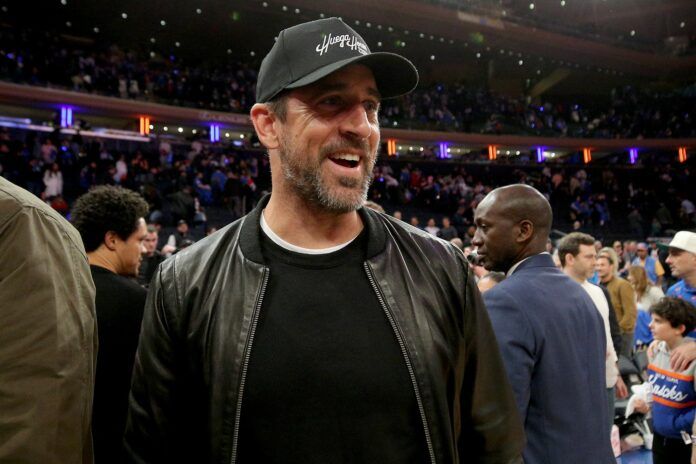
346, 157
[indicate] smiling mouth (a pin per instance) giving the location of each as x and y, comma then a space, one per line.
346, 160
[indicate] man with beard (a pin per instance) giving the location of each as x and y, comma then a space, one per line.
551, 336
314, 330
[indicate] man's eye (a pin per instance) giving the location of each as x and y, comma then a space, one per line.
331, 101
371, 106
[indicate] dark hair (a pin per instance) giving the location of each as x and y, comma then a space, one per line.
571, 244
107, 208
151, 229
677, 312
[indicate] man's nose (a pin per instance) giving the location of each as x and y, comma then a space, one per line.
356, 123
477, 240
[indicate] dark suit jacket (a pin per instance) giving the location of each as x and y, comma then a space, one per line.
552, 341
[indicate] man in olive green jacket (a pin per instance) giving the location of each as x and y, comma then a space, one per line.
48, 337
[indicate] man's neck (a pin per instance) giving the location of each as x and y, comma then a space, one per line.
307, 226
607, 279
675, 342
98, 258
569, 272
690, 279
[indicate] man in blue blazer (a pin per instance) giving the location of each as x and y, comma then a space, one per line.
551, 336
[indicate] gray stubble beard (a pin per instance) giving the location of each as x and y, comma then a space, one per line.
310, 186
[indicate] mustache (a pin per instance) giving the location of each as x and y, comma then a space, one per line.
346, 144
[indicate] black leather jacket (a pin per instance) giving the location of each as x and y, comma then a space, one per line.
198, 332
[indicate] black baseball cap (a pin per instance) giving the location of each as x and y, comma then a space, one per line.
307, 52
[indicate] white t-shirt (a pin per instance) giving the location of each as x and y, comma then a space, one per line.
602, 306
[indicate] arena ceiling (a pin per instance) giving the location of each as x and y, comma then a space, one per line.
582, 41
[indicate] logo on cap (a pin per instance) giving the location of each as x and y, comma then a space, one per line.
345, 40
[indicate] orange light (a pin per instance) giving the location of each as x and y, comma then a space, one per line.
144, 125
391, 147
682, 154
492, 152
587, 155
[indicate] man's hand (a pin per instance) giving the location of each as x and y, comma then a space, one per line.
682, 356
693, 454
641, 406
620, 388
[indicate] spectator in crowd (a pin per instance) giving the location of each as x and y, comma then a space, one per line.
652, 266
630, 254
623, 298
672, 392
181, 235
48, 347
682, 263
535, 311
432, 228
578, 255
687, 211
490, 280
268, 280
151, 257
447, 232
618, 249
415, 222
53, 180
112, 225
647, 295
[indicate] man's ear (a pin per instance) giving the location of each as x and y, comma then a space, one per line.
110, 239
526, 230
263, 119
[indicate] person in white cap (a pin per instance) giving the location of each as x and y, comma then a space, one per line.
682, 263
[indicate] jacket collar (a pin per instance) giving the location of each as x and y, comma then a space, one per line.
250, 233
543, 259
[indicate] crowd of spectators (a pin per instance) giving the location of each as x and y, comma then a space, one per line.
606, 201
46, 59
178, 182
629, 112
184, 181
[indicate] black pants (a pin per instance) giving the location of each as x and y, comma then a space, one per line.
670, 450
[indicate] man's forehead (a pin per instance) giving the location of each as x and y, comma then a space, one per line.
587, 249
489, 207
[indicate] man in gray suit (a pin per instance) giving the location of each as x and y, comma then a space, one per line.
550, 334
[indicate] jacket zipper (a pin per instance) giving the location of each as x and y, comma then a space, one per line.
409, 366
245, 364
